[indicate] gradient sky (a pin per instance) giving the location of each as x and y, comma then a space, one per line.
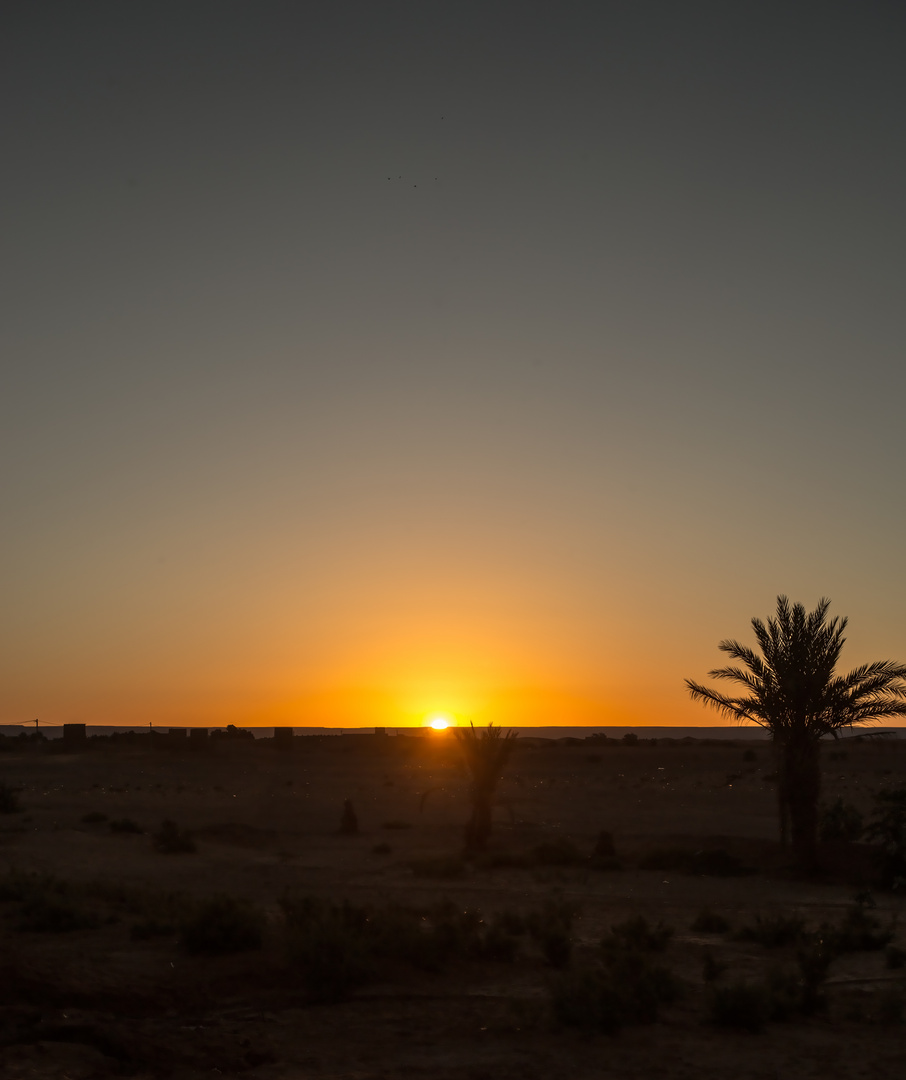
363, 361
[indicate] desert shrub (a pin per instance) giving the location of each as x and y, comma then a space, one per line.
587, 998
711, 863
712, 968
146, 905
222, 925
814, 960
749, 755
709, 922
890, 1004
331, 964
558, 852
740, 1005
551, 928
645, 985
781, 990
784, 995
381, 849
332, 947
125, 825
16, 885
894, 957
604, 845
55, 915
840, 820
147, 929
9, 800
604, 855
665, 859
888, 829
499, 945
438, 866
860, 930
337, 948
773, 931
511, 921
396, 824
500, 860
94, 818
349, 822
46, 904
636, 935
171, 840
716, 863
626, 989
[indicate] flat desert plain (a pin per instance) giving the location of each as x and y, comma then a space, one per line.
275, 945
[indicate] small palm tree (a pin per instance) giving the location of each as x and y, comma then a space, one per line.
486, 753
791, 690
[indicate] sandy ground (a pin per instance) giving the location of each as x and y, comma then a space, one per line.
94, 1000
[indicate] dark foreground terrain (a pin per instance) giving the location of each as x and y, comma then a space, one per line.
250, 937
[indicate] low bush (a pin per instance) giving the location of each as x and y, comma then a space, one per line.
396, 824
814, 960
16, 885
712, 968
349, 822
587, 998
336, 948
709, 922
94, 818
46, 904
637, 936
501, 860
840, 820
381, 849
331, 960
511, 921
551, 927
126, 825
890, 1004
887, 828
171, 840
55, 915
559, 852
741, 1005
9, 800
498, 944
773, 931
625, 989
710, 863
860, 930
895, 957
148, 929
439, 866
222, 925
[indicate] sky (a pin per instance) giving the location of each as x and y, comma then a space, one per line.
370, 361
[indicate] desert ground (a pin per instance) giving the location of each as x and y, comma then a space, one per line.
380, 952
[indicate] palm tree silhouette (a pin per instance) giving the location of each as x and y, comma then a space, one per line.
486, 753
791, 690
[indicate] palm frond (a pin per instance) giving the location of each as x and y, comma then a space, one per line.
791, 685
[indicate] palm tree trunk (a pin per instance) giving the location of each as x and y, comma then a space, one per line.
800, 780
783, 798
478, 829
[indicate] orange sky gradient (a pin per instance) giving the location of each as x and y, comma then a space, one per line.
487, 360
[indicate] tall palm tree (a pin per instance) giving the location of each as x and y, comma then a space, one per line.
485, 753
791, 690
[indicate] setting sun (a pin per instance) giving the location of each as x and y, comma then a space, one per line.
439, 723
